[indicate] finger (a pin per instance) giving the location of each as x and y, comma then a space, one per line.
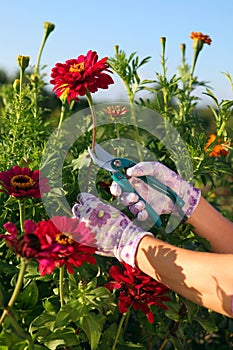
142, 168
128, 198
115, 189
142, 215
135, 208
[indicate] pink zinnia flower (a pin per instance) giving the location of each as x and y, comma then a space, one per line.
23, 182
116, 111
64, 241
137, 289
74, 77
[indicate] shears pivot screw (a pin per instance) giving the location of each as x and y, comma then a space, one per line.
117, 163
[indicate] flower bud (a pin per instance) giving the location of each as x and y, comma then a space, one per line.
48, 28
16, 85
34, 78
23, 61
163, 40
183, 48
116, 48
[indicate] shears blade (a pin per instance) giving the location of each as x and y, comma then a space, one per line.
101, 157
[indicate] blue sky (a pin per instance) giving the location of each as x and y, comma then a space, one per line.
133, 25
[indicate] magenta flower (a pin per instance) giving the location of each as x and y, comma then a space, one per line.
64, 241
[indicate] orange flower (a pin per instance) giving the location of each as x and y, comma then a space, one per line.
199, 40
202, 37
219, 149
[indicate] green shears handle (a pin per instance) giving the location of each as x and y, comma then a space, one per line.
121, 179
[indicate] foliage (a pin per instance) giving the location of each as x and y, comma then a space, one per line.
87, 317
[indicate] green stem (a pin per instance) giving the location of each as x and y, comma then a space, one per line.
37, 66
62, 114
16, 291
61, 284
163, 344
19, 108
123, 317
131, 102
90, 102
22, 214
195, 56
21, 73
221, 129
93, 115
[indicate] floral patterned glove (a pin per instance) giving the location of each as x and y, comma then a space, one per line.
115, 234
161, 203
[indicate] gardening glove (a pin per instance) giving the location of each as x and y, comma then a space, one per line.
161, 203
116, 236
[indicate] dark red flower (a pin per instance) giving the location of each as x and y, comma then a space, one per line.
27, 245
64, 241
74, 77
137, 289
23, 182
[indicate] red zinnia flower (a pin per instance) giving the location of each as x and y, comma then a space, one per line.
74, 77
64, 241
23, 182
137, 290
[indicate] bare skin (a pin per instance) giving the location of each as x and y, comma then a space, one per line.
205, 278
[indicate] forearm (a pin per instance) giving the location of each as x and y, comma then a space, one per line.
210, 224
198, 276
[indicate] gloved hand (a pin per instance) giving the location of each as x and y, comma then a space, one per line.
116, 235
161, 203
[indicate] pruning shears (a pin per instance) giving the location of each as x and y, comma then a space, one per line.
117, 167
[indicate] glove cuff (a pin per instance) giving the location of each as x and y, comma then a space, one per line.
192, 199
128, 251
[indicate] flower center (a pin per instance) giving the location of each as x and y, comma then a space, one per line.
100, 214
22, 182
64, 238
78, 67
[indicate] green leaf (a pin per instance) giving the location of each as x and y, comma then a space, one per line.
65, 336
28, 298
130, 345
92, 325
173, 311
23, 345
72, 311
82, 161
208, 324
44, 320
